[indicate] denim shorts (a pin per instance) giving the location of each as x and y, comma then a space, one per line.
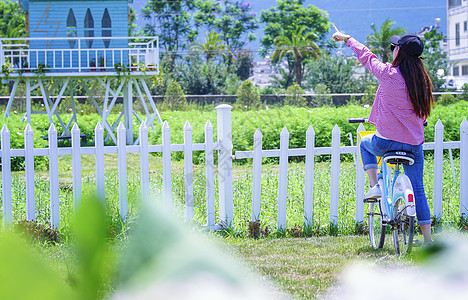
372, 146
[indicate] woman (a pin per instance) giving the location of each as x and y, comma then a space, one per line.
402, 104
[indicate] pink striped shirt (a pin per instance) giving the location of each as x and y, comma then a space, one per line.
392, 112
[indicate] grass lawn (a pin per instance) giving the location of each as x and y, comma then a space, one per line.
308, 268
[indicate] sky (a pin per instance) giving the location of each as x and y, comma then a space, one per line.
356, 16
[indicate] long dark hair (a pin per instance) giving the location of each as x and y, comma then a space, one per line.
418, 83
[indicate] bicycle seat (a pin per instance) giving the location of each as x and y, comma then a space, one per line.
399, 157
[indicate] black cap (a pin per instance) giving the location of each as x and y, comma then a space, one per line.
411, 44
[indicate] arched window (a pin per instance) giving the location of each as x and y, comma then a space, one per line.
89, 27
71, 28
106, 25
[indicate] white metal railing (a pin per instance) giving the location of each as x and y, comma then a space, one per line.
224, 169
55, 55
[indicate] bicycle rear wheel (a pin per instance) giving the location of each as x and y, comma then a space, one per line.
403, 230
376, 229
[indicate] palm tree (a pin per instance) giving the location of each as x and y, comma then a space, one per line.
212, 46
299, 47
378, 41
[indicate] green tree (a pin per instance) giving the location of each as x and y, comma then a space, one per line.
248, 96
282, 80
243, 64
233, 20
334, 71
170, 20
294, 96
198, 77
299, 47
434, 58
283, 20
212, 47
174, 97
322, 96
378, 41
12, 20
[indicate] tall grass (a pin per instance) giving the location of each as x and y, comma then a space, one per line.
242, 195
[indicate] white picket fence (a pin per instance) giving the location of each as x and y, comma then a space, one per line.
224, 168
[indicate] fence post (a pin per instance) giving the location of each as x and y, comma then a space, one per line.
335, 175
283, 178
360, 179
438, 168
464, 168
188, 167
257, 175
166, 155
76, 165
144, 162
309, 178
209, 165
99, 159
29, 173
6, 176
225, 164
122, 167
54, 177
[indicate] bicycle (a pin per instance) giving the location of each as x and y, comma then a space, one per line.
396, 208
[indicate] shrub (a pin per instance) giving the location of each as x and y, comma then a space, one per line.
322, 96
248, 96
464, 92
294, 96
174, 97
369, 95
447, 99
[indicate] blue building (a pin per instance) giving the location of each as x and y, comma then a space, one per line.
86, 40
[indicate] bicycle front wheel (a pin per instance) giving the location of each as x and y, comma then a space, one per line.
403, 232
376, 229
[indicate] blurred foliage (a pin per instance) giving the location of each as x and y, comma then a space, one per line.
435, 59
447, 99
248, 96
322, 96
294, 96
174, 98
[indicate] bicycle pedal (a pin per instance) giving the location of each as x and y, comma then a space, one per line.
417, 243
371, 200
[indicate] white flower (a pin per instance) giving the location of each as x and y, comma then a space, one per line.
366, 105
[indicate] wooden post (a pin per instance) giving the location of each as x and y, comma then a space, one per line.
464, 168
257, 176
6, 176
335, 175
144, 162
209, 165
122, 166
283, 178
225, 164
438, 168
54, 178
100, 176
309, 178
188, 167
76, 166
29, 173
166, 154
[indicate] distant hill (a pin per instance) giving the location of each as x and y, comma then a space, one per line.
355, 17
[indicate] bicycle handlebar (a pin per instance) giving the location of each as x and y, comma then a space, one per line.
358, 120
365, 120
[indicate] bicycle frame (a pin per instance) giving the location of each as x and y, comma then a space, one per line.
388, 210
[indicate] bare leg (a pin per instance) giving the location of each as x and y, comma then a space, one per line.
372, 173
426, 231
